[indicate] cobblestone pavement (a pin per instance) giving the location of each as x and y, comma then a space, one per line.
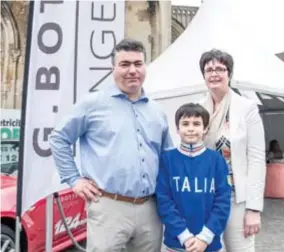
271, 237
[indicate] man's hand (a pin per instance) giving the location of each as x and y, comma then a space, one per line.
197, 246
87, 189
252, 223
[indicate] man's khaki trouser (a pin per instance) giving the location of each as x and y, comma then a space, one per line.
115, 225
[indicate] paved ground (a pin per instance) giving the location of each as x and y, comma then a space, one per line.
271, 238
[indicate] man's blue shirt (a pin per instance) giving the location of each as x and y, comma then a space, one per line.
120, 142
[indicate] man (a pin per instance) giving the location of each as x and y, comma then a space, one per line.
122, 133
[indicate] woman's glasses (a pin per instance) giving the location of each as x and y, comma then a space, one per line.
217, 70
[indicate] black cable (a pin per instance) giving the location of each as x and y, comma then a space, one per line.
75, 243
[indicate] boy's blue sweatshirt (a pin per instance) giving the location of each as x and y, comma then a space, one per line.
193, 193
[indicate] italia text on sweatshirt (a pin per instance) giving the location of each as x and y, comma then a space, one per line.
193, 196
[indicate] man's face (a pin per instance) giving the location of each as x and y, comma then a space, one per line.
129, 71
191, 129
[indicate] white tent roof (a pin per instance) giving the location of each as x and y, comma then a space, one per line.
221, 24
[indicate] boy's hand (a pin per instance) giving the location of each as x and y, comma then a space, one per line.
197, 246
189, 242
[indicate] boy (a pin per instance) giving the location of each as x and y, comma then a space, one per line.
193, 194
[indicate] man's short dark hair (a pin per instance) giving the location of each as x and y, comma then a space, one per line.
215, 54
128, 45
192, 110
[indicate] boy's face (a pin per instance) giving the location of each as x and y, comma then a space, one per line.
191, 129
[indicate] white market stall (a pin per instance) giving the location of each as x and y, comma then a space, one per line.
174, 78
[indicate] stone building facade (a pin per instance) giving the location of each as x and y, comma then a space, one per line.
13, 43
155, 23
149, 22
181, 17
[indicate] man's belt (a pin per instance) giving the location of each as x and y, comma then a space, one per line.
136, 201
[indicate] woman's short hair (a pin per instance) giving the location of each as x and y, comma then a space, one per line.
215, 54
192, 110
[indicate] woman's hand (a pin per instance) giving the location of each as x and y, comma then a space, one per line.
252, 223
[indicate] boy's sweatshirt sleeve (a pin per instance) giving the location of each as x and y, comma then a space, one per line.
166, 206
219, 215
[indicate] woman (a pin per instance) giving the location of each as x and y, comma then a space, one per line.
236, 130
274, 151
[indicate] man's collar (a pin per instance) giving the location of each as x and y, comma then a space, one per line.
116, 92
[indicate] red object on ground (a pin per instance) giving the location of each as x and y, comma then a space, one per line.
274, 187
34, 219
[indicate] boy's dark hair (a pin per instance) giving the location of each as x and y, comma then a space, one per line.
128, 45
192, 110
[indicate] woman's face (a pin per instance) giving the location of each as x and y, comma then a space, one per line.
216, 76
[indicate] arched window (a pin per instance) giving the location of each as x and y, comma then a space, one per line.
181, 17
177, 29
